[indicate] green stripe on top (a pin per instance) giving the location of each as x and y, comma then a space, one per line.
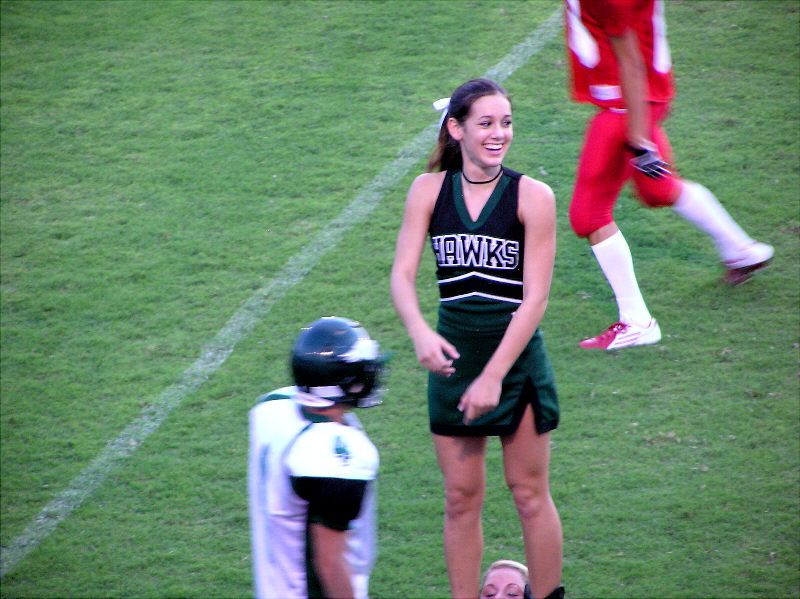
282, 393
461, 206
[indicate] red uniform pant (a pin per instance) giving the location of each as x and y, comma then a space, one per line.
605, 166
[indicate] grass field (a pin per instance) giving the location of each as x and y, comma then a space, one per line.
164, 163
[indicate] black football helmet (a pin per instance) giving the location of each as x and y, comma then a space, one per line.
334, 360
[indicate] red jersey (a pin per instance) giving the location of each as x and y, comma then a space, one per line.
595, 76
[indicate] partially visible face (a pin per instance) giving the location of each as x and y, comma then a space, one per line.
503, 583
486, 132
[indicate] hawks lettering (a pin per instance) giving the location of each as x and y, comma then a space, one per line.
479, 251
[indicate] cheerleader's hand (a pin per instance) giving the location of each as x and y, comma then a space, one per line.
480, 398
435, 353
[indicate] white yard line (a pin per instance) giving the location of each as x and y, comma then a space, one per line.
247, 317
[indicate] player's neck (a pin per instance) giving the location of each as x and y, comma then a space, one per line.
334, 413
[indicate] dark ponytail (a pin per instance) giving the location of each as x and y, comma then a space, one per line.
447, 153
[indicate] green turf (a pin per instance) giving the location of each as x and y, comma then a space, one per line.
163, 160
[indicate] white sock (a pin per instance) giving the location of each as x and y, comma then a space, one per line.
701, 208
614, 257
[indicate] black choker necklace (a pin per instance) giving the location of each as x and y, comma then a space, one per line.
483, 182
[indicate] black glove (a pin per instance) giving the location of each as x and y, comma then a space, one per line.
649, 162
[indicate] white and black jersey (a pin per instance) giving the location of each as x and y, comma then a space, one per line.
304, 468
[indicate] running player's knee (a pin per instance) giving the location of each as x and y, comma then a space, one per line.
656, 200
579, 228
658, 193
583, 222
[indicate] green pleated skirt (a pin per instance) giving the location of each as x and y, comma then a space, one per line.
529, 382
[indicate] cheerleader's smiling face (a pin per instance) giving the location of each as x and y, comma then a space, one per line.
485, 133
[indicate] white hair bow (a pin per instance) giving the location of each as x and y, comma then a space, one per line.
442, 106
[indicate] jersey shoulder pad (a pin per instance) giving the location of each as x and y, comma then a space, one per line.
332, 450
282, 393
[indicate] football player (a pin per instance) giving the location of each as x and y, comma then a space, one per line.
311, 469
620, 62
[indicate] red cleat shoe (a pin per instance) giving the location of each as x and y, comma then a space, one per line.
621, 334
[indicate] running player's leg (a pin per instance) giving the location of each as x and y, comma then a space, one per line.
740, 254
602, 172
604, 167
